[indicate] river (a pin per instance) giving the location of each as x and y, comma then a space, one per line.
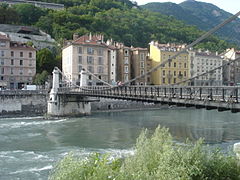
31, 146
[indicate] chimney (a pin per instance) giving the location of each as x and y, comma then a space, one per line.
90, 36
75, 36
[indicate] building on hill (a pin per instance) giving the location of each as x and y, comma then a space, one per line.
17, 63
172, 72
202, 62
232, 71
86, 52
40, 4
26, 34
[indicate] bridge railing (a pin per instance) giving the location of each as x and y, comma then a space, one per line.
217, 93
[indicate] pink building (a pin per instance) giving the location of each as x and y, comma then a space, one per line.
17, 63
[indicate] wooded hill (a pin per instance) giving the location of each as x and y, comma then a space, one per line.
120, 20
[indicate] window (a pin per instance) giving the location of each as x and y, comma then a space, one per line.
100, 52
90, 60
30, 55
141, 72
2, 78
2, 61
79, 50
29, 72
79, 68
100, 60
174, 80
169, 64
185, 73
2, 53
21, 54
185, 65
126, 52
21, 71
2, 70
125, 69
79, 59
30, 63
175, 64
100, 69
21, 62
125, 60
90, 69
142, 56
2, 44
90, 50
163, 73
142, 64
12, 53
174, 73
12, 61
125, 77
163, 80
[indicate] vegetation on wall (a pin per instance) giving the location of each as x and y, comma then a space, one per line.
155, 157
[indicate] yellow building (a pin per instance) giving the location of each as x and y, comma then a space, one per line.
173, 72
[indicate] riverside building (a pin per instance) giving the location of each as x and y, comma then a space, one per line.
17, 63
86, 52
202, 62
175, 70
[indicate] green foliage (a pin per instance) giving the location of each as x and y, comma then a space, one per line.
8, 15
40, 78
156, 157
46, 60
28, 13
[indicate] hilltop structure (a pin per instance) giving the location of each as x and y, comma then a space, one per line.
26, 34
40, 4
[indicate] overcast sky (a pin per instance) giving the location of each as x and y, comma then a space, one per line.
232, 6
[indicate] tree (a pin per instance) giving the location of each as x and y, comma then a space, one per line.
28, 13
45, 60
8, 15
40, 78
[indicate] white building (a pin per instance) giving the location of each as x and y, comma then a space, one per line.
202, 62
86, 52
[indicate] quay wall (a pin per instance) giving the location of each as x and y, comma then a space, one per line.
117, 105
30, 103
23, 103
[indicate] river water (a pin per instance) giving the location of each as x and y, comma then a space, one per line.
31, 146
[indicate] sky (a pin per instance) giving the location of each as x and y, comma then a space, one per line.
232, 6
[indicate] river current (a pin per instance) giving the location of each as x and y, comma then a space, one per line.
31, 146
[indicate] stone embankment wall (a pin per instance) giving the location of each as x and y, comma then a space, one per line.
118, 105
23, 103
32, 103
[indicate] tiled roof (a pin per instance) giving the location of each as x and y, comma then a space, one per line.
21, 46
4, 37
87, 40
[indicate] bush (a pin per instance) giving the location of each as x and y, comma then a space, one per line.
156, 158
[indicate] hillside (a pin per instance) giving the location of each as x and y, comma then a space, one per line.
120, 20
203, 15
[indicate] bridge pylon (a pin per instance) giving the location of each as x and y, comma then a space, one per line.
62, 102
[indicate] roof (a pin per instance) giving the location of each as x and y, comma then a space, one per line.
210, 54
90, 40
21, 46
19, 29
4, 37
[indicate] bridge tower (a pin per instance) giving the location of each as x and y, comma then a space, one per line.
64, 103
